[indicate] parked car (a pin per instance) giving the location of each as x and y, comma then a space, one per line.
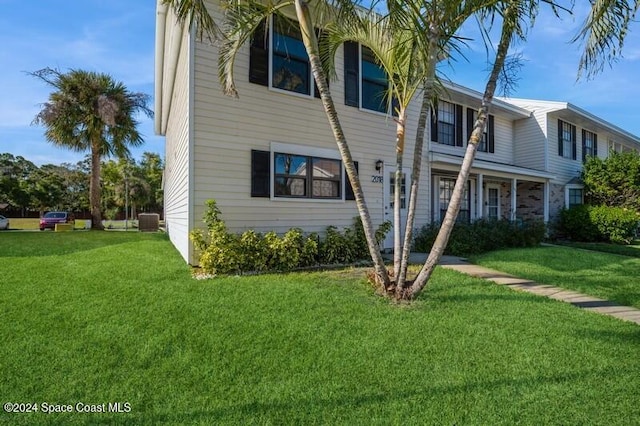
50, 219
4, 222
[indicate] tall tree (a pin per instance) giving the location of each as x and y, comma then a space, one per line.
92, 112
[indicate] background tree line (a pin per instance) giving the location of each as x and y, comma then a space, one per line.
27, 190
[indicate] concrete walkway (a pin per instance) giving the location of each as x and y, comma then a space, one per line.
579, 300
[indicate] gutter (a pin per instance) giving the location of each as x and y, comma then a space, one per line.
161, 20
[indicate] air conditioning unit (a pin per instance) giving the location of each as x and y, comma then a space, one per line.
148, 222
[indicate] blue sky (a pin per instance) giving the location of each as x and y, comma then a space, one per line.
117, 37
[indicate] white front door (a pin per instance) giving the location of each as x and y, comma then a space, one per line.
389, 192
492, 203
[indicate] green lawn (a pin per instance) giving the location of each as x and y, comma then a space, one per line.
606, 275
99, 317
625, 250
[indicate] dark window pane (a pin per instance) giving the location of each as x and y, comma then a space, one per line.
291, 74
324, 168
326, 189
292, 187
289, 164
374, 83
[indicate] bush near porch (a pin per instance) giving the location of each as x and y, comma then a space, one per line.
482, 236
599, 223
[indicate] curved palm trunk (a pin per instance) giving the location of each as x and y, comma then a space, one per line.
311, 45
458, 191
94, 187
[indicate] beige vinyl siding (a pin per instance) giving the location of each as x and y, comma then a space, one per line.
176, 178
503, 139
530, 141
564, 169
227, 129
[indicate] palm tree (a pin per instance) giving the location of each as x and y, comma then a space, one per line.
604, 32
514, 24
91, 112
242, 19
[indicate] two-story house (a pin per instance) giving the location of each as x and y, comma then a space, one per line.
270, 160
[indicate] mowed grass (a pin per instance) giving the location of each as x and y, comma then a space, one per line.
99, 317
609, 276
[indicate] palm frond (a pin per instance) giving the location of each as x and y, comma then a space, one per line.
603, 33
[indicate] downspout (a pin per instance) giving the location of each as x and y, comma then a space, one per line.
161, 20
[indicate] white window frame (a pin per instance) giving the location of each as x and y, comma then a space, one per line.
567, 189
280, 147
311, 94
360, 78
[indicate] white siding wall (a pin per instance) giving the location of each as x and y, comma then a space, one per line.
530, 140
563, 168
227, 129
176, 178
503, 138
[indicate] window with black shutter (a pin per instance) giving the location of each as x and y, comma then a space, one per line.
566, 140
487, 142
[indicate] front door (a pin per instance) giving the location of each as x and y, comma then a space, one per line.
389, 192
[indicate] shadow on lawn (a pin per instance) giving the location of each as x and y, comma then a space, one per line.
306, 408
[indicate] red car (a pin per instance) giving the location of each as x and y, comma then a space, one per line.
50, 219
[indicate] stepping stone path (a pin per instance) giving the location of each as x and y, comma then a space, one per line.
579, 300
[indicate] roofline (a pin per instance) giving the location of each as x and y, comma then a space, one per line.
560, 106
498, 102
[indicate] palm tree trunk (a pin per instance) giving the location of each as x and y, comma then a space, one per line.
397, 196
94, 187
510, 15
311, 45
427, 94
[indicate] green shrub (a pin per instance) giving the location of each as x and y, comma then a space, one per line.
222, 252
482, 236
575, 223
598, 223
616, 224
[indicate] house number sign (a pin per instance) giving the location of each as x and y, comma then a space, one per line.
377, 178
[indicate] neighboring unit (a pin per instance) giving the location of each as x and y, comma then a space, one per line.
270, 161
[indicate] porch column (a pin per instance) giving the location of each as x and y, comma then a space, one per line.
514, 198
546, 200
480, 197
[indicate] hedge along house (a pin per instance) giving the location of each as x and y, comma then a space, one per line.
270, 160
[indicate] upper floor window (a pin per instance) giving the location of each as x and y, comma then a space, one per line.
446, 124
278, 58
589, 144
566, 140
366, 84
487, 143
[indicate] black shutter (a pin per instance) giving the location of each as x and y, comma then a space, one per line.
459, 125
584, 145
490, 135
260, 173
259, 56
351, 74
595, 145
574, 148
560, 148
470, 123
348, 189
434, 123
